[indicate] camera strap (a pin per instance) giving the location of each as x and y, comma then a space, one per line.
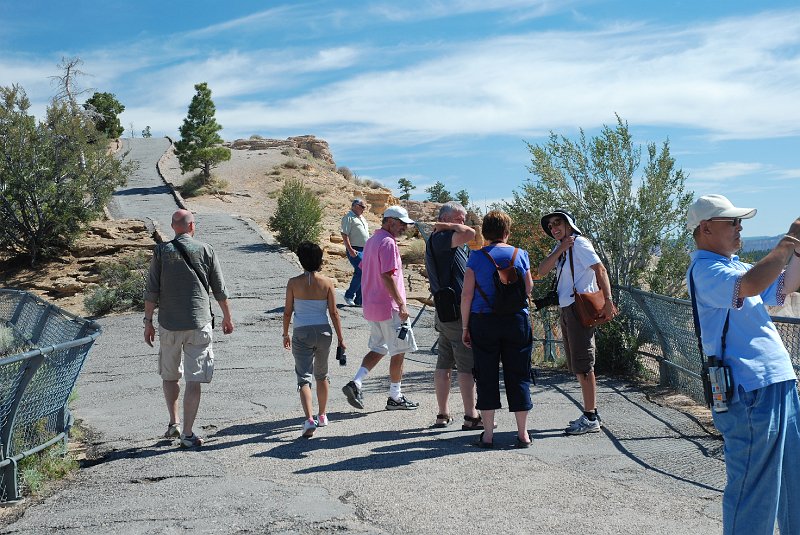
696, 317
200, 276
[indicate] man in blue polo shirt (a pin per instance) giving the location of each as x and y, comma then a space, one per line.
760, 428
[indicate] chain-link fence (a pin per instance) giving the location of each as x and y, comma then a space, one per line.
42, 351
663, 330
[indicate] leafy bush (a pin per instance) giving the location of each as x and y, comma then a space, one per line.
197, 185
55, 175
291, 164
11, 344
617, 349
121, 286
345, 172
298, 216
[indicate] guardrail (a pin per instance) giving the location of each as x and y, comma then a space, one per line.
47, 347
664, 332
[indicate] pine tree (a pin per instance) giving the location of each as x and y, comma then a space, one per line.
199, 146
105, 109
463, 198
437, 193
406, 187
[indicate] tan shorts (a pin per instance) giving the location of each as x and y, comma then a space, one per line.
578, 342
452, 351
195, 344
383, 337
311, 345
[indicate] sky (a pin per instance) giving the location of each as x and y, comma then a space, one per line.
449, 91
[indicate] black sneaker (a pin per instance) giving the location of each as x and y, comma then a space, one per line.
353, 394
403, 404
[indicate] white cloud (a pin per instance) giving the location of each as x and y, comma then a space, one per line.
732, 79
728, 78
424, 10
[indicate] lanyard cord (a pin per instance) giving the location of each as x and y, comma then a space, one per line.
696, 317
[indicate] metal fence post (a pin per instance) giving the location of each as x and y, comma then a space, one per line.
7, 432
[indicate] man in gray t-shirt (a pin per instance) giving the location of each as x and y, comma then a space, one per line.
445, 263
183, 273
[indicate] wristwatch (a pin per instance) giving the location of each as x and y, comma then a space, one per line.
147, 320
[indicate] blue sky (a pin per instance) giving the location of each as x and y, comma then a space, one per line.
450, 91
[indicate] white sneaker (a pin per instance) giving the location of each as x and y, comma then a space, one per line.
583, 425
574, 422
322, 420
309, 426
350, 301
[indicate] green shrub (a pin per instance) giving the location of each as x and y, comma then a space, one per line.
617, 349
291, 164
345, 172
121, 286
198, 185
10, 344
298, 216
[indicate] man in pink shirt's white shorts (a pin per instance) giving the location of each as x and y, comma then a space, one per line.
384, 303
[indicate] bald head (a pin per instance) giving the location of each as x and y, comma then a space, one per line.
183, 222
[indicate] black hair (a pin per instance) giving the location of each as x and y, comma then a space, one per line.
310, 256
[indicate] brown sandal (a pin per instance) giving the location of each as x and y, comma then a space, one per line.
447, 420
472, 423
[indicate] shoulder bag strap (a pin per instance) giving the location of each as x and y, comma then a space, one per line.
572, 270
696, 317
478, 286
203, 281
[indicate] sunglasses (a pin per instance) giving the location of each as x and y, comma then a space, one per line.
734, 221
555, 223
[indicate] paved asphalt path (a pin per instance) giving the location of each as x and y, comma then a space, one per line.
651, 470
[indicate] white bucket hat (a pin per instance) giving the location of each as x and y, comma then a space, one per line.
711, 206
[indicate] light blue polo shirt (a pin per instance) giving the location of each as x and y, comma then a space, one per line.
753, 350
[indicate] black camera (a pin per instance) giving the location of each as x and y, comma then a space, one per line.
550, 299
402, 332
340, 356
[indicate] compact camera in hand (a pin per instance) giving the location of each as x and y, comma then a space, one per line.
550, 299
340, 356
402, 332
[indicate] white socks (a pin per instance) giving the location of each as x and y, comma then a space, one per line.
394, 391
361, 374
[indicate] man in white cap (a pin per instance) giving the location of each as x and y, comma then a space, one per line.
384, 304
760, 426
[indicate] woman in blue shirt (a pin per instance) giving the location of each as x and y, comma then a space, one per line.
496, 338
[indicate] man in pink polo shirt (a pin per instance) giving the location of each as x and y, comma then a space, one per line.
384, 302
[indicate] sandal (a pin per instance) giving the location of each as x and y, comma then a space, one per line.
522, 444
472, 423
484, 445
447, 420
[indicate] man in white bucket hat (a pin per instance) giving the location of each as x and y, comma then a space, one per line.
759, 418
